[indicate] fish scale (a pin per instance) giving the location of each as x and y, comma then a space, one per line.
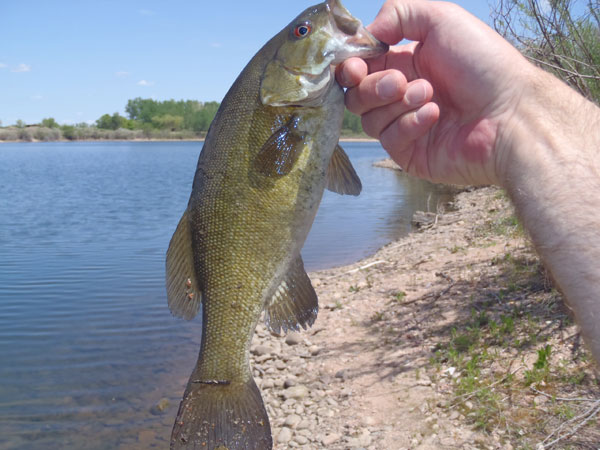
267, 158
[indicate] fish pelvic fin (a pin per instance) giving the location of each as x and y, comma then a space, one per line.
183, 294
218, 415
294, 303
341, 176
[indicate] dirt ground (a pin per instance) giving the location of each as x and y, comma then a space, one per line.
452, 337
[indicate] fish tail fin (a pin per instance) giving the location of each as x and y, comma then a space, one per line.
219, 415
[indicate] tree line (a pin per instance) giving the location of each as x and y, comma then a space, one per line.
145, 119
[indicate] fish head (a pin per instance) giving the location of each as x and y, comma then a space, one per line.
321, 37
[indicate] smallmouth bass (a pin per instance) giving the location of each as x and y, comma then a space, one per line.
268, 156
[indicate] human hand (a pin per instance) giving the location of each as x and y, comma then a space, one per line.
442, 105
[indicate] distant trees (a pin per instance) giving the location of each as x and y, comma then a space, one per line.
171, 114
147, 118
49, 123
352, 123
114, 122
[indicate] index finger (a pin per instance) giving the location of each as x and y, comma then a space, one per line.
403, 19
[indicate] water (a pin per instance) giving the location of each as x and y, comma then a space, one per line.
87, 344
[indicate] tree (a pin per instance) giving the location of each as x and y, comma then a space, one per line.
352, 122
49, 123
68, 132
562, 36
20, 124
114, 122
168, 122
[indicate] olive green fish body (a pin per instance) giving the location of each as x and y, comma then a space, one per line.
269, 154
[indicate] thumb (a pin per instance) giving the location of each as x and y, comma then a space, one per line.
403, 19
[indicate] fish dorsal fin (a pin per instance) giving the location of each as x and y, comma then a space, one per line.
341, 176
182, 288
294, 303
278, 155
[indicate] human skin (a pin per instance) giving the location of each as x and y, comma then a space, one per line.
461, 105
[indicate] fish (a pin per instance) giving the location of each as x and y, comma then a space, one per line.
269, 154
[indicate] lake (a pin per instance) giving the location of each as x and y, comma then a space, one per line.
87, 343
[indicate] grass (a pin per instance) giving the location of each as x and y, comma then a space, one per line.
506, 348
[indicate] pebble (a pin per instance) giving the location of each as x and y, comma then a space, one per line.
293, 338
301, 440
303, 425
299, 391
314, 350
160, 406
331, 438
292, 421
289, 382
260, 350
284, 436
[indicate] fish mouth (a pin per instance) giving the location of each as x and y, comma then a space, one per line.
357, 40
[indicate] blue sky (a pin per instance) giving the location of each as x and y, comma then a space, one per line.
76, 60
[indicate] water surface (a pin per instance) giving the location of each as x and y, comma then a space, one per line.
87, 344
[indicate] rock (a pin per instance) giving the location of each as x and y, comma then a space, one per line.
280, 365
292, 421
301, 440
368, 421
365, 438
297, 392
331, 438
289, 382
293, 339
314, 350
305, 424
260, 350
284, 436
342, 374
454, 415
539, 400
160, 406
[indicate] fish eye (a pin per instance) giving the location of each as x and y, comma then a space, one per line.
302, 30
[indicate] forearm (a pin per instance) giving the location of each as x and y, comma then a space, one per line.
552, 174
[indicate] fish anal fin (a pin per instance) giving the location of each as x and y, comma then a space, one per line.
278, 155
294, 303
222, 416
183, 294
341, 176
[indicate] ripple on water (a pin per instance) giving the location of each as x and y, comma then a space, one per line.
87, 344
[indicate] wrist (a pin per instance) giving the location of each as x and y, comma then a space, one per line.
550, 134
551, 170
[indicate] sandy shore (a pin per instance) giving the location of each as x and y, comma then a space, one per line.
433, 342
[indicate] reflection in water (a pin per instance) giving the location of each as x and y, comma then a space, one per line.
87, 344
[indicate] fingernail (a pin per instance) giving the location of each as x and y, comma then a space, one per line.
422, 115
416, 94
387, 87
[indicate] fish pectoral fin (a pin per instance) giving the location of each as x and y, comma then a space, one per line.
294, 303
278, 155
183, 294
341, 176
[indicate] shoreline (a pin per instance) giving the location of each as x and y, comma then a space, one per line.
34, 141
430, 343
